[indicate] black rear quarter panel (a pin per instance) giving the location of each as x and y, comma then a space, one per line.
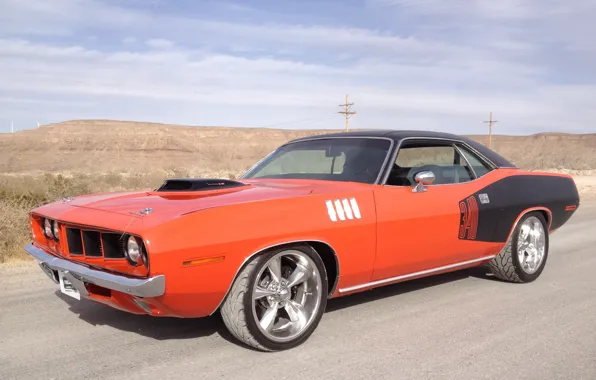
510, 196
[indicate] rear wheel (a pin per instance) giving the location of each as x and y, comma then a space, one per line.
524, 256
278, 299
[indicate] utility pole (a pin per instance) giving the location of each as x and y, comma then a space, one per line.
490, 129
347, 113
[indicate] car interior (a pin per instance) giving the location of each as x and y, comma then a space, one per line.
362, 165
446, 163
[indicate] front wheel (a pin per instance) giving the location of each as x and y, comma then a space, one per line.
524, 256
278, 299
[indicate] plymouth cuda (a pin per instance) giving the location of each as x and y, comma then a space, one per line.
320, 217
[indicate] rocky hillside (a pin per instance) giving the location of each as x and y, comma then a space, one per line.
99, 146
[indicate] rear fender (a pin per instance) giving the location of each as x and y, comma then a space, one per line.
502, 203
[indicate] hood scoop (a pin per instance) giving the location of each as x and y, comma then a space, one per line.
198, 184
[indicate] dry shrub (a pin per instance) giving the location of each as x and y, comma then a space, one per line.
21, 193
18, 195
14, 231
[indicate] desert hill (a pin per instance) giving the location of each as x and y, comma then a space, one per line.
99, 146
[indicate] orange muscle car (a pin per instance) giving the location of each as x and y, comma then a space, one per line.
320, 217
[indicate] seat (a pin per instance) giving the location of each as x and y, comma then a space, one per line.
398, 176
357, 168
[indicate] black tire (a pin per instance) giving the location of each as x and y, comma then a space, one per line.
237, 312
507, 267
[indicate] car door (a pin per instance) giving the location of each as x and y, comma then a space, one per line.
428, 229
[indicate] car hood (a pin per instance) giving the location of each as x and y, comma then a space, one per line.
181, 202
167, 205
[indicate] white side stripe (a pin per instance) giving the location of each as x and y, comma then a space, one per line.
340, 210
347, 209
331, 211
355, 207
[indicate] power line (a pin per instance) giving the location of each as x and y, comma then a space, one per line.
490, 129
347, 113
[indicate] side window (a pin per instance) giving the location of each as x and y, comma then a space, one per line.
439, 157
425, 155
480, 167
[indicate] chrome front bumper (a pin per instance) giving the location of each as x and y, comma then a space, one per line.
78, 274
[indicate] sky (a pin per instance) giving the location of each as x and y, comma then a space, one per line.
406, 64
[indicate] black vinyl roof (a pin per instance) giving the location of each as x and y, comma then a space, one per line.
399, 135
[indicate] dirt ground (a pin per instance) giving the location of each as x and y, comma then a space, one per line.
586, 186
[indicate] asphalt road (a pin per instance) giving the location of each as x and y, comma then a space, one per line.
457, 326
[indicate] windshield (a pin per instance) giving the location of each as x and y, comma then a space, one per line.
332, 159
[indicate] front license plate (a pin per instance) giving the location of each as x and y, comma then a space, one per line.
67, 288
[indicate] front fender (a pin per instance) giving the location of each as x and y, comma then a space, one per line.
220, 240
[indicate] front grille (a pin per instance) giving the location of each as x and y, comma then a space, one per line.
94, 243
113, 246
75, 241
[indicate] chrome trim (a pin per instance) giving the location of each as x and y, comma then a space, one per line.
458, 149
426, 177
330, 291
314, 138
88, 227
448, 140
423, 178
258, 162
145, 211
143, 306
336, 282
49, 271
526, 211
415, 274
140, 287
393, 158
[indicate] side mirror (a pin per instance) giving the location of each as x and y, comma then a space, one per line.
422, 179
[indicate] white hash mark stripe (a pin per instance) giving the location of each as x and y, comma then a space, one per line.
340, 210
331, 211
355, 208
347, 209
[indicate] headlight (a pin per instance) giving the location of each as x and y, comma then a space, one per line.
47, 228
133, 250
56, 230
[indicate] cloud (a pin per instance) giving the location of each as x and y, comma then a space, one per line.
81, 15
503, 9
159, 43
192, 68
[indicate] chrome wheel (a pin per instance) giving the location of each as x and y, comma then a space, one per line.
531, 245
287, 295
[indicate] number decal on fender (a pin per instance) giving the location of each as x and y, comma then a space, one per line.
468, 225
